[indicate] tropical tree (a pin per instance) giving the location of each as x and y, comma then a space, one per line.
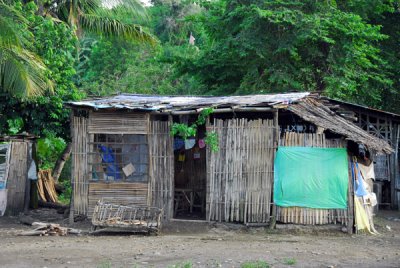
22, 72
101, 16
262, 46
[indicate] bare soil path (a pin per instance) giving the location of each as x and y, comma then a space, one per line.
204, 246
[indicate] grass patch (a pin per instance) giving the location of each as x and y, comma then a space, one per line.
186, 264
104, 264
289, 261
255, 264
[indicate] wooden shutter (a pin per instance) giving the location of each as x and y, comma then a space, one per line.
118, 123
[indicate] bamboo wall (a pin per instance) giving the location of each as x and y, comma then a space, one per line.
300, 215
17, 176
161, 167
240, 173
79, 165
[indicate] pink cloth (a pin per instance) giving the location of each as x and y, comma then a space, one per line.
202, 144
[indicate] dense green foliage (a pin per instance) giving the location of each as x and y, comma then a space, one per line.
278, 46
344, 49
55, 43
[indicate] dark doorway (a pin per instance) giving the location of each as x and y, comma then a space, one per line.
190, 177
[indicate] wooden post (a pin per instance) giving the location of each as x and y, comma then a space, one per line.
28, 181
395, 167
276, 144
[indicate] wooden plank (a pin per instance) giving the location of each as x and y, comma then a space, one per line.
17, 177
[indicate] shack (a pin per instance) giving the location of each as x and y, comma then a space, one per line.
16, 158
123, 152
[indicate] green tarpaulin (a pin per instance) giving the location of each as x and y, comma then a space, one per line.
311, 177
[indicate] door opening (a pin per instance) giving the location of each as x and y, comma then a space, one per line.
190, 177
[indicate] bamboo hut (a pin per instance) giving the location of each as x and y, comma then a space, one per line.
123, 152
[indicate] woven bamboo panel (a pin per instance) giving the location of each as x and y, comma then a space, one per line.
119, 193
161, 167
79, 164
300, 215
17, 177
240, 174
118, 123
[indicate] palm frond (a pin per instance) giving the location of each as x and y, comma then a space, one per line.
22, 73
114, 27
134, 7
10, 35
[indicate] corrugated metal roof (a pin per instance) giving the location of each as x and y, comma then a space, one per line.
162, 103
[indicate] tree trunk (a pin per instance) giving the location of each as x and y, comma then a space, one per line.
58, 167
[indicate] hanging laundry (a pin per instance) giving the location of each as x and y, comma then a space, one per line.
359, 184
202, 143
189, 143
367, 171
361, 189
196, 154
178, 144
181, 157
361, 217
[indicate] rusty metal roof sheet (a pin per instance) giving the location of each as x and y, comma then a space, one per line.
162, 103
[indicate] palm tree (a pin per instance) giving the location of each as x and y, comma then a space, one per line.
99, 16
22, 72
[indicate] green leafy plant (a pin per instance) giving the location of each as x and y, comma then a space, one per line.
185, 131
289, 261
212, 140
65, 197
15, 125
48, 150
255, 264
186, 264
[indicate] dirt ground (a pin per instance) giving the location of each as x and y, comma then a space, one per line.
203, 245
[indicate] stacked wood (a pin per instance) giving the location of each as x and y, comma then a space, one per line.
301, 215
49, 229
240, 173
46, 186
161, 185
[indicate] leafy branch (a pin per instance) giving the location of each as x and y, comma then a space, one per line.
185, 131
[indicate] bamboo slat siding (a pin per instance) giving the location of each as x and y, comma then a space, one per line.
17, 177
79, 164
161, 167
121, 193
300, 215
118, 123
240, 173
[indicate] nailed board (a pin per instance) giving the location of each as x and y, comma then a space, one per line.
118, 123
119, 193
